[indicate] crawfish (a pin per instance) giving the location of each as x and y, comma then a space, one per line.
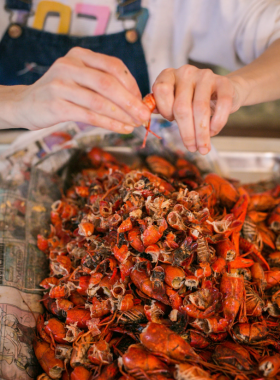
232, 288
43, 376
160, 339
72, 332
109, 371
272, 278
219, 265
149, 101
100, 308
203, 303
189, 371
274, 219
99, 353
142, 281
250, 333
233, 354
185, 251
196, 339
56, 330
46, 357
174, 276
63, 352
153, 233
212, 325
80, 373
262, 202
126, 302
157, 280
48, 282
135, 315
155, 312
160, 166
226, 250
259, 276
224, 190
78, 315
134, 238
203, 251
40, 326
270, 366
52, 307
274, 259
138, 361
61, 291
254, 303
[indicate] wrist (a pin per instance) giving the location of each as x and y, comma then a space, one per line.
241, 90
10, 98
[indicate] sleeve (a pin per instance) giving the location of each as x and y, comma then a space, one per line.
258, 26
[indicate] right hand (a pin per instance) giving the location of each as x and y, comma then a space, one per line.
85, 87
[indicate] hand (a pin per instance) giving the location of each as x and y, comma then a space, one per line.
189, 96
82, 86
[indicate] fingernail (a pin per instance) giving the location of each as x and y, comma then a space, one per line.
192, 148
203, 150
137, 123
128, 128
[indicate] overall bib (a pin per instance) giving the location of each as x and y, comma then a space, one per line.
29, 46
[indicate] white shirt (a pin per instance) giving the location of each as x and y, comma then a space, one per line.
229, 33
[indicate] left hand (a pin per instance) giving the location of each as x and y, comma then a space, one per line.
188, 95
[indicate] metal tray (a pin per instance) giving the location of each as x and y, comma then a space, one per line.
250, 167
247, 167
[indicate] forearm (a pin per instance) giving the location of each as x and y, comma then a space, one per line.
8, 106
260, 80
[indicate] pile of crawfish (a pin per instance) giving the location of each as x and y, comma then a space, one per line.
159, 273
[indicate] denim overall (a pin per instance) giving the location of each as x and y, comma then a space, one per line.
40, 49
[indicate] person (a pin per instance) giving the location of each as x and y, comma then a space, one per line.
50, 77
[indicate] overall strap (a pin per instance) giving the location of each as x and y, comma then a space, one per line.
18, 5
128, 8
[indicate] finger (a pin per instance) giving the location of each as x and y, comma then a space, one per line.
109, 87
67, 111
224, 91
183, 112
109, 64
163, 90
202, 111
95, 102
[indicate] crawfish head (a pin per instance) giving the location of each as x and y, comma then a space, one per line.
46, 357
181, 324
189, 371
180, 255
250, 333
143, 266
90, 261
184, 251
138, 360
234, 354
202, 298
269, 366
196, 339
156, 337
158, 274
63, 351
121, 240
